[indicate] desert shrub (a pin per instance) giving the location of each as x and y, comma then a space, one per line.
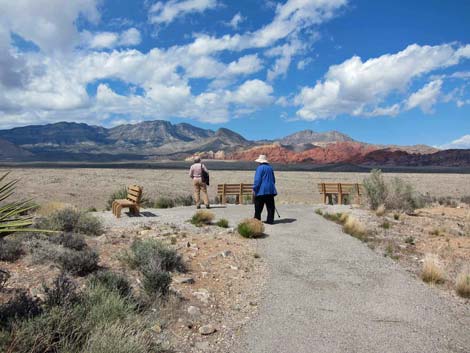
223, 223
380, 211
447, 201
335, 217
69, 240
89, 225
462, 283
20, 307
201, 218
62, 292
119, 338
410, 240
375, 188
78, 263
4, 277
395, 195
319, 212
184, 200
156, 280
355, 228
465, 199
164, 202
10, 249
251, 228
71, 220
49, 208
396, 216
385, 225
144, 251
105, 305
432, 271
403, 197
43, 250
112, 281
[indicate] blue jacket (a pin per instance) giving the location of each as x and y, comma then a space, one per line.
264, 180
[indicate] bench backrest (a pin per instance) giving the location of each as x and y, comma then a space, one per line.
134, 193
333, 188
234, 189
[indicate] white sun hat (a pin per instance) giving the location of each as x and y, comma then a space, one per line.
262, 159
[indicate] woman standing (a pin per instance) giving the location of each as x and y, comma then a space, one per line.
264, 189
199, 183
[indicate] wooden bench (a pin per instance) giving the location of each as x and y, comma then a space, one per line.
327, 190
132, 202
238, 190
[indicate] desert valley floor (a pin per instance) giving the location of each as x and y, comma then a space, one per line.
88, 188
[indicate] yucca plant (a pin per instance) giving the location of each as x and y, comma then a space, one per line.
13, 216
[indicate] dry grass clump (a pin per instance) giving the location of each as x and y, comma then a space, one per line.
355, 228
251, 228
380, 211
432, 271
462, 283
202, 217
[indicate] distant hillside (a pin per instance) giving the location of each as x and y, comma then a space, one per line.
309, 136
162, 140
9, 151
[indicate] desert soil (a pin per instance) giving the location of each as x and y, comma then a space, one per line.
87, 188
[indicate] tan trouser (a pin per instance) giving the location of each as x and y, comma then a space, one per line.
198, 187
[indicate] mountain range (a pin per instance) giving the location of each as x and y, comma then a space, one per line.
161, 140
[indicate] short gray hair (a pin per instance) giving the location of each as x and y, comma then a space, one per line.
197, 159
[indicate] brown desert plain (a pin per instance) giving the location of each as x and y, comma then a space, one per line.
88, 188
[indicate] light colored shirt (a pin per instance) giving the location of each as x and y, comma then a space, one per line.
195, 172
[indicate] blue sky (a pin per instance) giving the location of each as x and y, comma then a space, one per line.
395, 72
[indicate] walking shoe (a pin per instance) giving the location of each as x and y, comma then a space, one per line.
198, 207
208, 206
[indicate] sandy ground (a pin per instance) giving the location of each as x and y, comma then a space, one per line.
87, 188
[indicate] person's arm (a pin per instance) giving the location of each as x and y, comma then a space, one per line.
205, 168
257, 181
191, 172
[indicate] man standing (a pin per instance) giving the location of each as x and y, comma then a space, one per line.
196, 173
264, 189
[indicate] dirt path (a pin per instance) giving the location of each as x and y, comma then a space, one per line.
328, 292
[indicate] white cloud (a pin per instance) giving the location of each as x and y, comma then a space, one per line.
357, 88
50, 24
461, 143
254, 93
285, 54
236, 20
102, 40
426, 97
291, 17
167, 12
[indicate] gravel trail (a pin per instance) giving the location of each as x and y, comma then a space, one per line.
328, 292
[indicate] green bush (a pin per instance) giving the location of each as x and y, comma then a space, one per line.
164, 202
112, 281
251, 228
10, 249
223, 223
89, 225
375, 188
20, 307
69, 240
394, 195
156, 280
145, 251
78, 263
385, 225
202, 217
71, 220
62, 292
184, 200
120, 338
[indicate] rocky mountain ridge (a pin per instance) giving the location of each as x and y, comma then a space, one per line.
162, 140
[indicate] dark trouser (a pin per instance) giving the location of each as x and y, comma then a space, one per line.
260, 201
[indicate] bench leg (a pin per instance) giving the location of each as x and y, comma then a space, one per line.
118, 211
